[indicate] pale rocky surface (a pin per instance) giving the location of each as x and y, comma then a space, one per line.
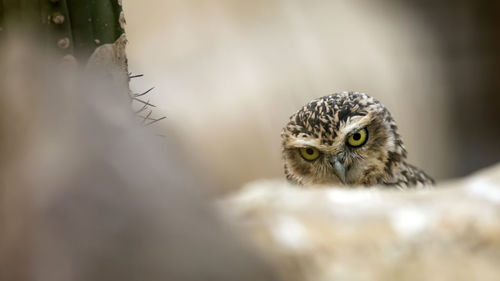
451, 232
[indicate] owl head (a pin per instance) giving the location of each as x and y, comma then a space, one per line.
346, 138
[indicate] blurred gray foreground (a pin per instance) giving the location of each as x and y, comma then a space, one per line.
87, 194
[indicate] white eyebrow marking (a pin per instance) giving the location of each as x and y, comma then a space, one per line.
356, 124
306, 142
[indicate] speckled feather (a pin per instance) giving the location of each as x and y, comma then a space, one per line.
326, 122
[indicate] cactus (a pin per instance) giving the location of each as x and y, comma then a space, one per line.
72, 27
90, 31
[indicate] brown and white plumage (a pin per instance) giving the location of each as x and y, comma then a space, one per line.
347, 138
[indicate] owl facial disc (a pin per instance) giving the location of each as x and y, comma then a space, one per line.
346, 138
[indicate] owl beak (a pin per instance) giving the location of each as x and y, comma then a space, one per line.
338, 167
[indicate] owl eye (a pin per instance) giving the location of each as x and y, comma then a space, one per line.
358, 139
309, 153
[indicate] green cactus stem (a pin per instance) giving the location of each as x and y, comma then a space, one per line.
71, 27
90, 31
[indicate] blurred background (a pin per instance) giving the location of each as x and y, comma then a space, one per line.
229, 73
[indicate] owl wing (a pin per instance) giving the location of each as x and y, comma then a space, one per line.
411, 176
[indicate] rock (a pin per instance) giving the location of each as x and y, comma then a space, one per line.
451, 232
87, 193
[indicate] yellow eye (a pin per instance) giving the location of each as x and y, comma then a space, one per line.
358, 139
309, 153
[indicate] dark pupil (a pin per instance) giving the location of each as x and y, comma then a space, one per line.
310, 151
356, 136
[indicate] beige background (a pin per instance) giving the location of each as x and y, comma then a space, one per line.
229, 73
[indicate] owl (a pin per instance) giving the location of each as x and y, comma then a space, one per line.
350, 139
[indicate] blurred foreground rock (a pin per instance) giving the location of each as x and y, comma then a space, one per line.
449, 233
88, 194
